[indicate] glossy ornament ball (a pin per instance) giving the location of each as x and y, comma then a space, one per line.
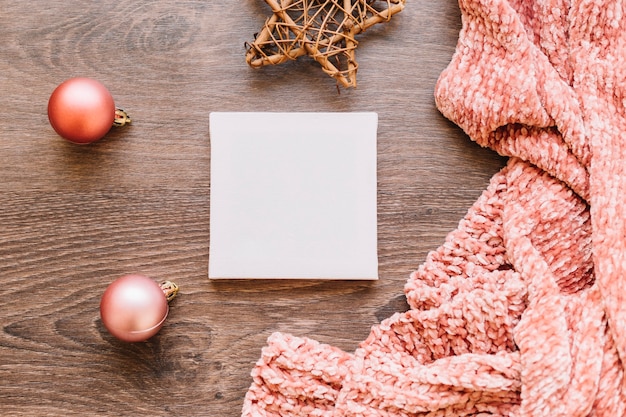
81, 110
133, 308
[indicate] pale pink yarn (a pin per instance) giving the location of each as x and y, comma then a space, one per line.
521, 312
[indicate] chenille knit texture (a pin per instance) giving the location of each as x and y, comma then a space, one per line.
521, 311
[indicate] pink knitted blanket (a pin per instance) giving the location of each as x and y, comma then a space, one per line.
521, 312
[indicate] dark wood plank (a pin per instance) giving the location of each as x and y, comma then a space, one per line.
72, 219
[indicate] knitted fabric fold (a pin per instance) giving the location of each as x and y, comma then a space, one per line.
520, 311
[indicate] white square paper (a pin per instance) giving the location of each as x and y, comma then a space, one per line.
293, 195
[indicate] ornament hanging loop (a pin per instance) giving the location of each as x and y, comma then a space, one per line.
170, 289
121, 118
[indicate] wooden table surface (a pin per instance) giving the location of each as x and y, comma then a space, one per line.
74, 218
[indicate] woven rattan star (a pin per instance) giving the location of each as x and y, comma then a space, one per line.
322, 29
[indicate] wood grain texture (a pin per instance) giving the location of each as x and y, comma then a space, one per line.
72, 219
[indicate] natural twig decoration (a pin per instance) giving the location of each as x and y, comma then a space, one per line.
322, 29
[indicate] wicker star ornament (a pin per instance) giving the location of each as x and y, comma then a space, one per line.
323, 29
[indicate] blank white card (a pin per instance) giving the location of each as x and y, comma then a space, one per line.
293, 195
